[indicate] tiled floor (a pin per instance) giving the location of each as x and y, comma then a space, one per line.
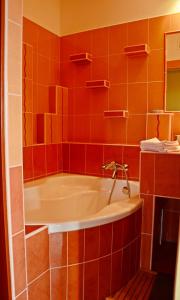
138, 288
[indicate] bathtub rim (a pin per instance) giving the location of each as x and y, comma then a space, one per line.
73, 226
88, 222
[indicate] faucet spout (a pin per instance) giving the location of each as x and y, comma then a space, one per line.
115, 167
109, 165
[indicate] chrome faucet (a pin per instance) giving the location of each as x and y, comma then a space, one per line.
115, 166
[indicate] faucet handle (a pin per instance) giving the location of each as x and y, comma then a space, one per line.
125, 166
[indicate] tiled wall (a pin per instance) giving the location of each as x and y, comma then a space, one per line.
42, 98
51, 157
41, 66
136, 83
131, 80
42, 160
13, 142
88, 158
159, 176
85, 264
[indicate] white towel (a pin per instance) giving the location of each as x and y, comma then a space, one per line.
156, 145
151, 145
150, 141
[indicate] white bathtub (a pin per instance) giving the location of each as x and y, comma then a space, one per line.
68, 202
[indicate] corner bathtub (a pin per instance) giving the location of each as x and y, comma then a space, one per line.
93, 247
68, 202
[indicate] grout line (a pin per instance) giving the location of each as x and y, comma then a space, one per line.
98, 258
39, 276
17, 233
84, 246
109, 144
25, 290
152, 229
147, 234
7, 162
50, 275
15, 94
36, 231
85, 157
83, 281
25, 249
67, 267
15, 23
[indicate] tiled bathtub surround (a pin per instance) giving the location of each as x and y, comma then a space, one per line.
82, 264
94, 263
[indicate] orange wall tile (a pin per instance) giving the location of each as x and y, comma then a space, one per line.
17, 210
58, 283
104, 277
19, 263
76, 246
23, 296
147, 215
40, 288
14, 58
91, 270
157, 27
137, 98
138, 32
75, 282
167, 175
15, 10
147, 173
58, 249
37, 252
15, 129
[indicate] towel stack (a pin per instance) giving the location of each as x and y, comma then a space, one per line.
159, 146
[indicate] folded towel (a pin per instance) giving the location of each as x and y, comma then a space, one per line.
171, 143
156, 145
173, 149
152, 148
150, 141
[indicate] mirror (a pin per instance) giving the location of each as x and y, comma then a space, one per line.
172, 71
